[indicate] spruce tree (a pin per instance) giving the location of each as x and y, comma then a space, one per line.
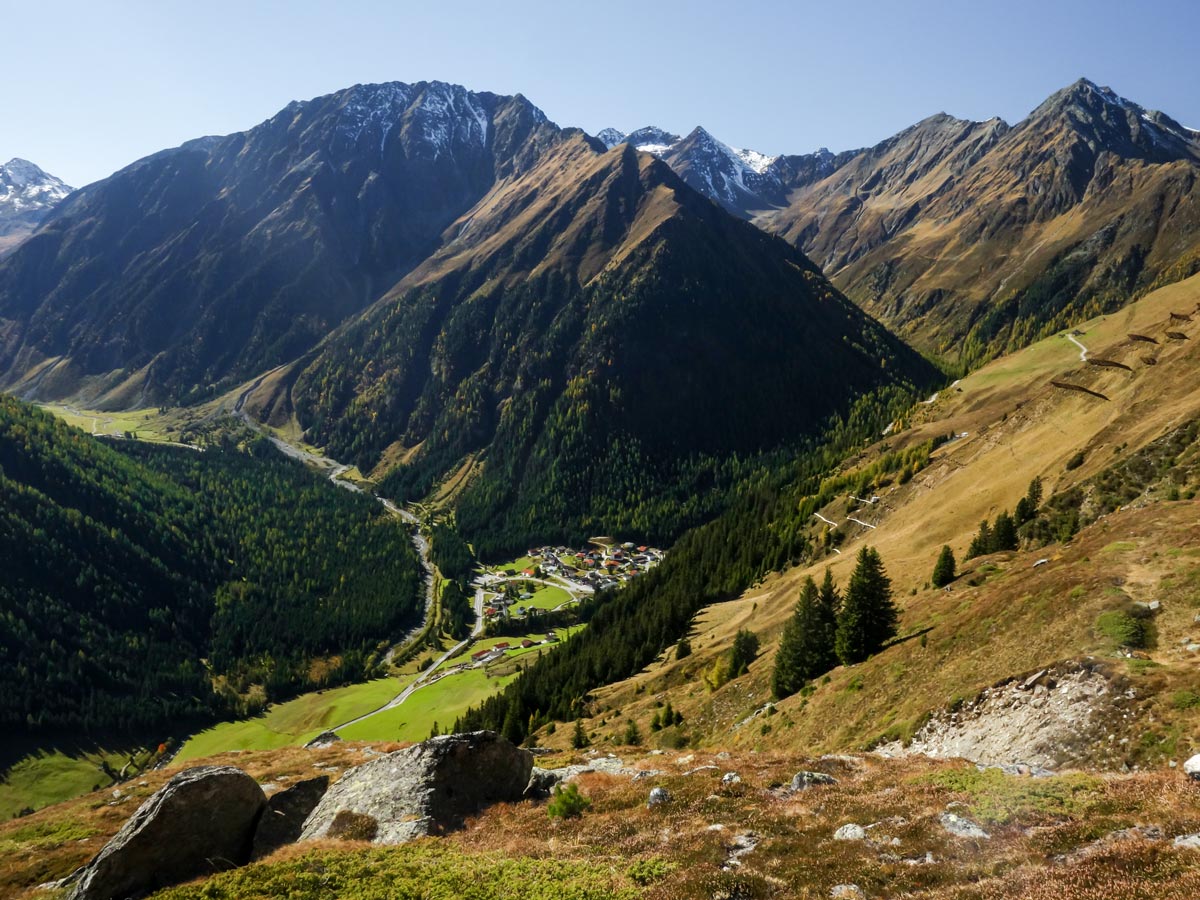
944, 569
806, 649
829, 606
869, 617
982, 543
1004, 533
786, 678
1027, 506
579, 738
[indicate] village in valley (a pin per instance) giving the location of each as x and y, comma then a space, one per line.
549, 580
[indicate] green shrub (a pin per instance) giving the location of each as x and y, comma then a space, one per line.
567, 803
1122, 629
1185, 700
647, 871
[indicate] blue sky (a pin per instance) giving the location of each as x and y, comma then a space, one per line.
88, 87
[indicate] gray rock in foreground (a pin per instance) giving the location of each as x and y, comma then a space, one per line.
199, 822
285, 814
424, 789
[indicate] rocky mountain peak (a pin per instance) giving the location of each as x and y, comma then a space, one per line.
24, 185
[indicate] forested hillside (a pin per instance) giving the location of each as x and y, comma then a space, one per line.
764, 530
617, 350
137, 576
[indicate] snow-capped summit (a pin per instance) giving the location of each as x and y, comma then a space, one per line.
24, 186
738, 179
650, 139
27, 194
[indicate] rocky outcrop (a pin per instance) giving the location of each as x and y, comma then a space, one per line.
424, 789
200, 822
283, 819
1068, 714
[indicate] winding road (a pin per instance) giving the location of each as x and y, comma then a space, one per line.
335, 471
1083, 351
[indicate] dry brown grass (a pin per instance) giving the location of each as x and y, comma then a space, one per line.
1020, 618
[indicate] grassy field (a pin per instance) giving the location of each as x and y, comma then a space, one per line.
442, 702
51, 777
147, 424
1059, 838
294, 722
546, 597
517, 565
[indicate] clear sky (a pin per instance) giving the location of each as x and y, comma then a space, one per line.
90, 86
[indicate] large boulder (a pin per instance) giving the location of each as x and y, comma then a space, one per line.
424, 789
201, 821
283, 819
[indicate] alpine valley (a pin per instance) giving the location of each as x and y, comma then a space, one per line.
824, 524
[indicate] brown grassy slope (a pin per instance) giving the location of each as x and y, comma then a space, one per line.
1018, 427
1049, 838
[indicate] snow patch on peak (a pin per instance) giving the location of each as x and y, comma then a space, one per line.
372, 107
759, 162
449, 113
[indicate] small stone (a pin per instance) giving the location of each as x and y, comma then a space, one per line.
850, 832
962, 827
803, 780
658, 796
1188, 841
1191, 768
731, 778
847, 892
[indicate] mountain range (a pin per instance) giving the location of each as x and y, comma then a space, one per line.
432, 280
971, 238
27, 195
435, 276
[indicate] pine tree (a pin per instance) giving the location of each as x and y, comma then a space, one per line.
579, 738
982, 543
829, 606
633, 736
683, 649
1004, 533
806, 649
742, 653
1027, 506
786, 678
511, 728
944, 569
869, 617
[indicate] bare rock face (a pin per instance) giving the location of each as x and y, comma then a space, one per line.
283, 819
424, 789
201, 821
1057, 717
